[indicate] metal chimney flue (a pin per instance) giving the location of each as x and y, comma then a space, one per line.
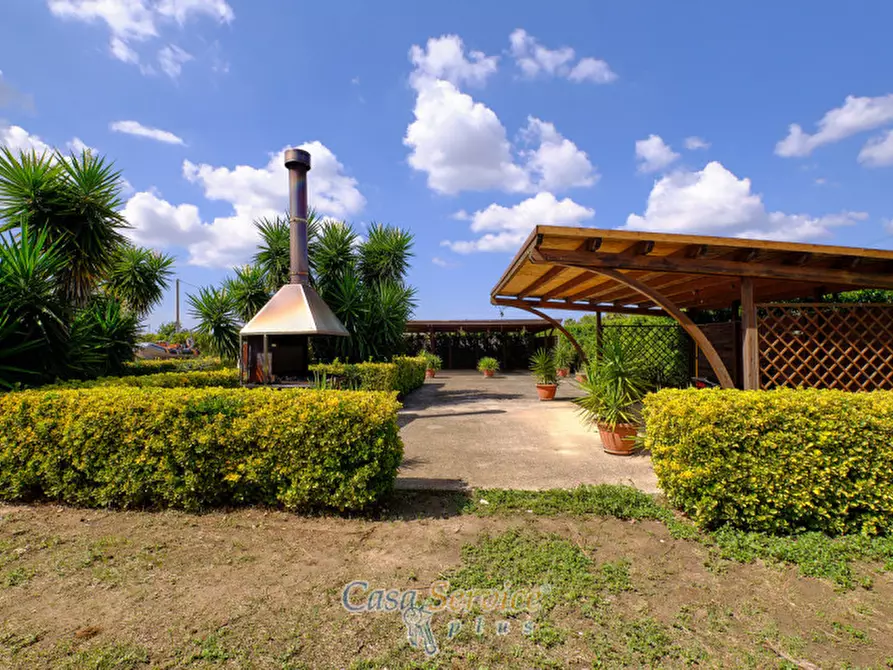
297, 161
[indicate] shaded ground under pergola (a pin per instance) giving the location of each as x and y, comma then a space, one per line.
614, 271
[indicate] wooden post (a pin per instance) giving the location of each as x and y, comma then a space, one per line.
738, 344
598, 332
750, 354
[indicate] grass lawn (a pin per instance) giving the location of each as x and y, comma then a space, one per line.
250, 588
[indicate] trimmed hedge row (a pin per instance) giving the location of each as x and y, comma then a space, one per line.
777, 461
404, 374
156, 365
226, 378
195, 448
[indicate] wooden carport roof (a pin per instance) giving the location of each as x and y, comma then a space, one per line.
588, 269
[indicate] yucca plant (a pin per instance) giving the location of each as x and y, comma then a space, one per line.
75, 200
542, 365
138, 278
103, 335
248, 290
272, 255
614, 387
215, 312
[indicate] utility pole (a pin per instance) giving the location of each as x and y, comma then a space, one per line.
177, 320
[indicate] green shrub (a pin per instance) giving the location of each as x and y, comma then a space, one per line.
410, 373
226, 378
403, 375
154, 366
781, 461
194, 448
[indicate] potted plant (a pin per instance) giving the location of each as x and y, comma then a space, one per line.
614, 390
488, 366
563, 358
542, 365
434, 363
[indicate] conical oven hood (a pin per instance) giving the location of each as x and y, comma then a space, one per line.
296, 309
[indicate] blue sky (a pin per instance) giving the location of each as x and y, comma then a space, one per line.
465, 122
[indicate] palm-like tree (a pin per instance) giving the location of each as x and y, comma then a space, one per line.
248, 290
272, 254
75, 200
215, 311
138, 278
385, 254
102, 337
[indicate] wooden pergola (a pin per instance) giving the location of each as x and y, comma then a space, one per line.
592, 270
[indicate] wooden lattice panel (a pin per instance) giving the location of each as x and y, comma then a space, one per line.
839, 346
663, 352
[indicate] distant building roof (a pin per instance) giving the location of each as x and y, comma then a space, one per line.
477, 325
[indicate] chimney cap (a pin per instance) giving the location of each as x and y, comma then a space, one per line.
297, 158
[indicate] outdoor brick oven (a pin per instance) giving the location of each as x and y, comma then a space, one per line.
274, 345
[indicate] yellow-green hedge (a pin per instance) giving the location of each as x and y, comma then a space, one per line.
779, 461
404, 374
197, 448
226, 378
156, 365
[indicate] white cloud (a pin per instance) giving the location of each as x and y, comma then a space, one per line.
17, 140
139, 130
878, 151
654, 154
137, 21
856, 115
251, 192
171, 60
694, 143
461, 144
714, 201
78, 146
444, 58
558, 163
534, 60
442, 263
505, 228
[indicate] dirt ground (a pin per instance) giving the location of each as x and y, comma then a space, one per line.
262, 589
462, 429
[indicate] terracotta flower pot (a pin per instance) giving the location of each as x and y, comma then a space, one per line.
430, 374
546, 391
489, 373
621, 440
563, 372
581, 378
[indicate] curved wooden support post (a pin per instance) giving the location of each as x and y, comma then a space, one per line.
719, 368
555, 324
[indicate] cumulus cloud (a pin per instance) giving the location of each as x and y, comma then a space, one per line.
505, 228
654, 154
460, 143
694, 143
444, 58
251, 192
557, 163
878, 151
137, 129
856, 115
535, 60
713, 201
17, 140
133, 22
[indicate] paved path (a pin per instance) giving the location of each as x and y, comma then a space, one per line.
464, 430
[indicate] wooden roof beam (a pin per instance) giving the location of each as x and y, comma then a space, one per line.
577, 307
585, 260
546, 277
569, 284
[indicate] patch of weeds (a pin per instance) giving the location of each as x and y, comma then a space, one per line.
211, 648
527, 559
109, 657
615, 576
815, 554
17, 577
854, 633
547, 635
637, 643
14, 642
